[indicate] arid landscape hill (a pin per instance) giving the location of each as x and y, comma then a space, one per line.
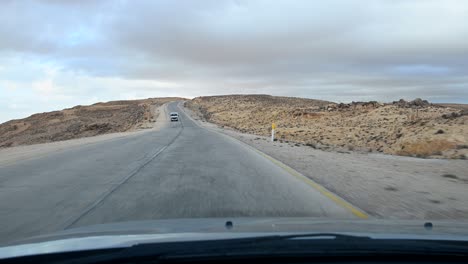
412, 128
81, 121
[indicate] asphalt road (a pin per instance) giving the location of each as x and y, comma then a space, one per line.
179, 171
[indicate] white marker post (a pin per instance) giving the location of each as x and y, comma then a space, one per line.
273, 127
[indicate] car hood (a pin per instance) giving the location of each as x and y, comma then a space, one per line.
126, 234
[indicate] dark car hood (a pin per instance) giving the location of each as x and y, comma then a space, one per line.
130, 233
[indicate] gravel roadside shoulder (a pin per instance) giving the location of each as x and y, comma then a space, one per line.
384, 186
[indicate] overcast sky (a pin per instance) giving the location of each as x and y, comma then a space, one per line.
56, 54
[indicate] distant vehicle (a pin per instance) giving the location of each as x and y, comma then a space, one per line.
174, 116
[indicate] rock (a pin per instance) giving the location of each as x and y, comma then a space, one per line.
74, 128
455, 114
418, 102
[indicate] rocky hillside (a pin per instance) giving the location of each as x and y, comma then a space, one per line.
80, 121
415, 128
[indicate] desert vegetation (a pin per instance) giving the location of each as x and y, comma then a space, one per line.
411, 128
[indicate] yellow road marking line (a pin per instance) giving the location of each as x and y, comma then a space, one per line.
339, 201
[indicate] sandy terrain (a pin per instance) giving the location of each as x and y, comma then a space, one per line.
456, 106
384, 186
81, 121
13, 154
415, 128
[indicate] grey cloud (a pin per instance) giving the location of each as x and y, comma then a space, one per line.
223, 36
47, 27
341, 50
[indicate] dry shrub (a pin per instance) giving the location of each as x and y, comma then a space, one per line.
426, 148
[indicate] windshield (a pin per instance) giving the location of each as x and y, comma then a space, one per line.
192, 112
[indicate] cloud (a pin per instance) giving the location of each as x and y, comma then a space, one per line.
334, 50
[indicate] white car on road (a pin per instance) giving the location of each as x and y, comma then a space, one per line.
174, 116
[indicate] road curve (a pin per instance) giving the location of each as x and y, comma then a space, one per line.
179, 171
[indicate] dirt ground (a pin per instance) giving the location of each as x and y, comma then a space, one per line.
24, 152
384, 186
81, 121
415, 128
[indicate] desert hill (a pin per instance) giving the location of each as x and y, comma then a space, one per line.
411, 128
81, 121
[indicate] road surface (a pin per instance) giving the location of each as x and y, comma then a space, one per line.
179, 171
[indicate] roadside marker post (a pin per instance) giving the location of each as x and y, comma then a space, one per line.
273, 128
